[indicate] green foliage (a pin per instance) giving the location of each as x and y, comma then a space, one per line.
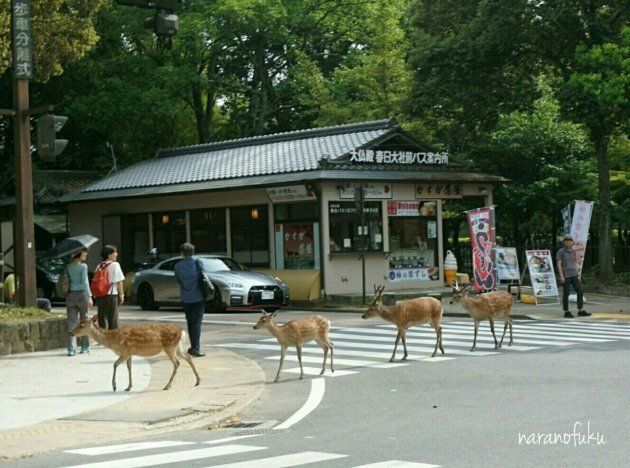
15, 314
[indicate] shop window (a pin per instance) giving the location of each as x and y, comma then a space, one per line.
347, 234
136, 229
413, 246
208, 231
296, 212
169, 232
249, 227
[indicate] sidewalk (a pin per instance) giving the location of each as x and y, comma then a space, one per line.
51, 401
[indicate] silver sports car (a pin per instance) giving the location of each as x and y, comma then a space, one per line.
235, 286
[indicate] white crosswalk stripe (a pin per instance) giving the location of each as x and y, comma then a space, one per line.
120, 448
397, 464
371, 347
282, 461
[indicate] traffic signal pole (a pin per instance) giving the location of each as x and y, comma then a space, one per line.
24, 220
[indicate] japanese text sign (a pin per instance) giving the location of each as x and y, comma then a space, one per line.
22, 41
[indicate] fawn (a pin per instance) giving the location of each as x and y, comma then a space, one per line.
296, 333
486, 306
139, 340
408, 314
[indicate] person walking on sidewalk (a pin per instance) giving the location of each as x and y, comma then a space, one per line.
569, 276
191, 295
108, 272
78, 300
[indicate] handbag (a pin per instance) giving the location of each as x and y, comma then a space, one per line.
207, 288
63, 285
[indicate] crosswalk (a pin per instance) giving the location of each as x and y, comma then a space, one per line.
371, 347
230, 452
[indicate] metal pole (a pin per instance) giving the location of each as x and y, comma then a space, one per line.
364, 243
25, 229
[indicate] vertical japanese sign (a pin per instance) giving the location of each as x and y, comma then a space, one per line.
22, 42
566, 220
481, 223
579, 230
541, 272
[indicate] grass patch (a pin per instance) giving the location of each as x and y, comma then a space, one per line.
16, 314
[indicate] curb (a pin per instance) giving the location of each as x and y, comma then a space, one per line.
232, 383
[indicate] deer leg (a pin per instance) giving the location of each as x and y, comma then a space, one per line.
505, 325
298, 348
440, 335
283, 352
118, 362
437, 341
188, 359
325, 348
510, 323
395, 347
403, 336
171, 355
474, 346
129, 371
496, 343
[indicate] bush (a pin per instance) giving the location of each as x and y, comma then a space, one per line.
15, 314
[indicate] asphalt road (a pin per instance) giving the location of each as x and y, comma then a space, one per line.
535, 405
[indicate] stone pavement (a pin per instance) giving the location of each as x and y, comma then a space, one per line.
50, 401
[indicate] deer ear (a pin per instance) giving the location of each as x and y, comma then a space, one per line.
94, 319
273, 314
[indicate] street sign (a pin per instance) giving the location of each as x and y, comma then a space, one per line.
22, 41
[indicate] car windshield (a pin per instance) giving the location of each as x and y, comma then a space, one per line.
213, 264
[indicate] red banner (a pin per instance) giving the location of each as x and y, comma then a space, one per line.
481, 223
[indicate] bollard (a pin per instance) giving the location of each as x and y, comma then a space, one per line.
389, 299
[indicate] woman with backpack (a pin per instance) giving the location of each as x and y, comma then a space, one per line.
78, 299
107, 288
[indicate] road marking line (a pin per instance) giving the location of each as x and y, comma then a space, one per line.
569, 332
317, 370
171, 457
318, 387
314, 359
582, 330
230, 439
418, 349
398, 464
127, 447
544, 335
283, 461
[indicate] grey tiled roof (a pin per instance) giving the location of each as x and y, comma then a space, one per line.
271, 154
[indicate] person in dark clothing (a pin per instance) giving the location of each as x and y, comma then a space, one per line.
569, 276
191, 296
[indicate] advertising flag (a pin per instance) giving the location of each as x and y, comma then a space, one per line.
481, 224
566, 220
579, 230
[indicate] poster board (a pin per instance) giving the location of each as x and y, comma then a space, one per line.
541, 272
507, 264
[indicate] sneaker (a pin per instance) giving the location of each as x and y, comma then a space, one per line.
583, 313
568, 314
195, 353
84, 350
72, 352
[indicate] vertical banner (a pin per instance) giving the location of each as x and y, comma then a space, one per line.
579, 230
541, 272
22, 43
566, 220
481, 224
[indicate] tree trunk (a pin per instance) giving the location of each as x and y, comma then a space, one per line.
605, 223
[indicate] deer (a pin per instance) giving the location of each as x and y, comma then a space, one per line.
296, 333
485, 306
139, 340
408, 314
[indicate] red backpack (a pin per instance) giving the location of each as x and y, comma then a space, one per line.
100, 284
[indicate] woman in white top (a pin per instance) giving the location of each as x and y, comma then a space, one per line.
108, 304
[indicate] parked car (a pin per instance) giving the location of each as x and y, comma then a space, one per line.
47, 274
235, 286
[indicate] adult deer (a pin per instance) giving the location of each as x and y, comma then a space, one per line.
296, 333
486, 306
139, 340
408, 314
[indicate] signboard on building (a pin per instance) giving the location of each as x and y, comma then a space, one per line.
299, 246
291, 193
398, 275
346, 208
439, 190
373, 191
579, 230
481, 223
22, 41
541, 272
397, 157
403, 208
507, 263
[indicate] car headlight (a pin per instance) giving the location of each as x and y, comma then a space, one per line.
52, 278
234, 285
278, 280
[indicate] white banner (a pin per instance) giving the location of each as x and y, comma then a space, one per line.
566, 220
506, 261
290, 193
541, 272
373, 191
579, 230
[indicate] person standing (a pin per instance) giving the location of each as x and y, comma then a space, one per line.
114, 296
78, 300
191, 295
569, 276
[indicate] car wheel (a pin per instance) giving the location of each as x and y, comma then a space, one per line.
146, 299
216, 304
